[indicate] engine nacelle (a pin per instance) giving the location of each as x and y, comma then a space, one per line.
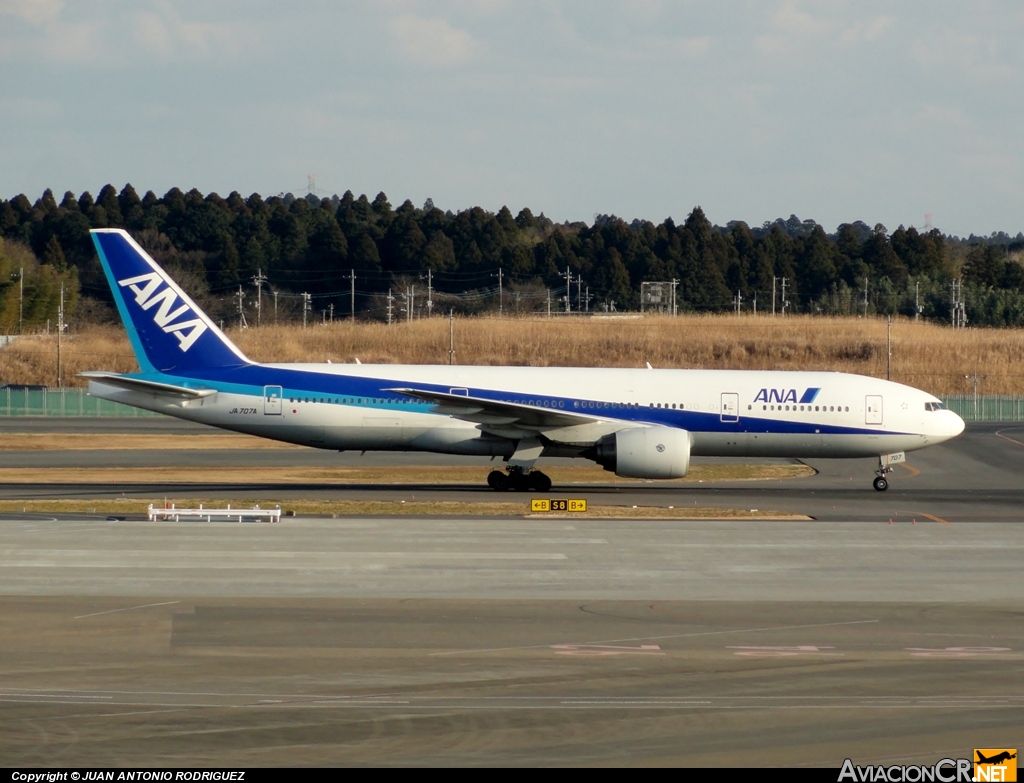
645, 452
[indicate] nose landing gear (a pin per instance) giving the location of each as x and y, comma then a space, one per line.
885, 463
518, 480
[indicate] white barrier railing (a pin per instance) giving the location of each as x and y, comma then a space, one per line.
210, 514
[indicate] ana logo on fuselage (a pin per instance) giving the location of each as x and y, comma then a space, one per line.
145, 289
786, 395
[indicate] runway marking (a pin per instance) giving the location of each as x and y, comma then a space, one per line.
934, 518
913, 471
999, 434
592, 650
659, 638
126, 609
92, 696
782, 652
958, 652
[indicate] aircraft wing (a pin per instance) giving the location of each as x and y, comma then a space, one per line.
153, 387
497, 413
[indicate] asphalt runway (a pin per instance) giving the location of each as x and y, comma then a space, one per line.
527, 641
974, 478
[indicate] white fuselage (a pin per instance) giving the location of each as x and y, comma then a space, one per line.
726, 412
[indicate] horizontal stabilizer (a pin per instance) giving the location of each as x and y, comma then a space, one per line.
153, 387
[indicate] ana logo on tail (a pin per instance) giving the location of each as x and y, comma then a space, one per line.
145, 289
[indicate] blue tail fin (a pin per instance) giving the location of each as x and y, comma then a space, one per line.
168, 332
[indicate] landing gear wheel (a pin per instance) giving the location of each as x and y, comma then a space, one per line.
539, 482
518, 481
498, 481
881, 484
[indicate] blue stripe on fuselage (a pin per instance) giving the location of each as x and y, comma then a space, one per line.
251, 380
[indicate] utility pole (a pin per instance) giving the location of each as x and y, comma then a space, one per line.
259, 280
917, 300
275, 307
959, 312
755, 302
412, 302
549, 301
352, 302
330, 308
60, 332
675, 283
21, 300
501, 291
738, 302
888, 348
241, 309
568, 290
451, 337
785, 302
307, 301
430, 293
391, 305
865, 297
774, 279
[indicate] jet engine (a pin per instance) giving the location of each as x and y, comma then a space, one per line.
644, 452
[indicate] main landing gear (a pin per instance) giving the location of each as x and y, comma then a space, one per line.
518, 480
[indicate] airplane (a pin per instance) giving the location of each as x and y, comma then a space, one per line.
637, 423
996, 759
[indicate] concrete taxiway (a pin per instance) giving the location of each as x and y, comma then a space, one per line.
470, 640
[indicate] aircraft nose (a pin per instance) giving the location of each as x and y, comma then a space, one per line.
956, 424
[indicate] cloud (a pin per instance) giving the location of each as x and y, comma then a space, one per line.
867, 30
32, 11
61, 33
165, 32
433, 42
790, 25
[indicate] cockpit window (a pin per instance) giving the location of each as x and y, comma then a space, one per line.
935, 406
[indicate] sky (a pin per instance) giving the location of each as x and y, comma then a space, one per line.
831, 110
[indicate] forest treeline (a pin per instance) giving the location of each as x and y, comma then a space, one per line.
477, 260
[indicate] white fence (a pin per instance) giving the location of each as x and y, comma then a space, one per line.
210, 514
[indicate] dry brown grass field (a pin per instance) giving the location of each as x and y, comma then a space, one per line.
928, 356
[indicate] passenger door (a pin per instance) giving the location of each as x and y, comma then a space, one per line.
272, 400
873, 409
730, 407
